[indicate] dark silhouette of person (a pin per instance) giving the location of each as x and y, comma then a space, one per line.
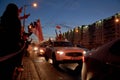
10, 41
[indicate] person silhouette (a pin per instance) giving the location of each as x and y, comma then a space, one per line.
10, 42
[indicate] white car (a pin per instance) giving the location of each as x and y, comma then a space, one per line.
64, 52
102, 63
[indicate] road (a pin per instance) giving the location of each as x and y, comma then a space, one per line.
46, 71
36, 68
42, 70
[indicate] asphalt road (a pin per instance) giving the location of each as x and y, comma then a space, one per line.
36, 68
46, 71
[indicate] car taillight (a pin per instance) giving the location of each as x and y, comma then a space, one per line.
83, 59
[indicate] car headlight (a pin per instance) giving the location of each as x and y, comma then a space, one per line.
60, 52
84, 52
35, 48
41, 51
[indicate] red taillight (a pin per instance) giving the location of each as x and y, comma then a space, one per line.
83, 59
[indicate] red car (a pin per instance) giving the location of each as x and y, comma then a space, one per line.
102, 63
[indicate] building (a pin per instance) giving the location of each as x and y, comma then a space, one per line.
97, 33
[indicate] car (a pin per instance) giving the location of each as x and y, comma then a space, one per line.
62, 51
102, 63
42, 48
35, 49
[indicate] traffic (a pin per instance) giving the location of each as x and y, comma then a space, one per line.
102, 63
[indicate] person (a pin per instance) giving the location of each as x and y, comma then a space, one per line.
102, 63
10, 42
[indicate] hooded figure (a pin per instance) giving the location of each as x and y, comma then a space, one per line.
10, 40
10, 29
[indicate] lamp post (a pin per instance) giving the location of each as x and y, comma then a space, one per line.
117, 26
25, 16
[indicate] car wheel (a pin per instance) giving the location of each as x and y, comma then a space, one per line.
46, 58
55, 62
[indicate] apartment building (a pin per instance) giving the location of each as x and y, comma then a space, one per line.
98, 33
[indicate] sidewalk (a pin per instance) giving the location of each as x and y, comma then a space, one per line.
29, 72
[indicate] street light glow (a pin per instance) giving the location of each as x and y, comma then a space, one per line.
116, 20
34, 4
76, 30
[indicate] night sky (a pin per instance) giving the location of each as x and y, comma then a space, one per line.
66, 13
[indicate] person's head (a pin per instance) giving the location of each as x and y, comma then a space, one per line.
11, 10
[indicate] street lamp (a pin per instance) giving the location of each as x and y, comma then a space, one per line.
34, 5
117, 20
117, 27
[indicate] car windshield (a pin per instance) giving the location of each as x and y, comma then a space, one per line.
62, 44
